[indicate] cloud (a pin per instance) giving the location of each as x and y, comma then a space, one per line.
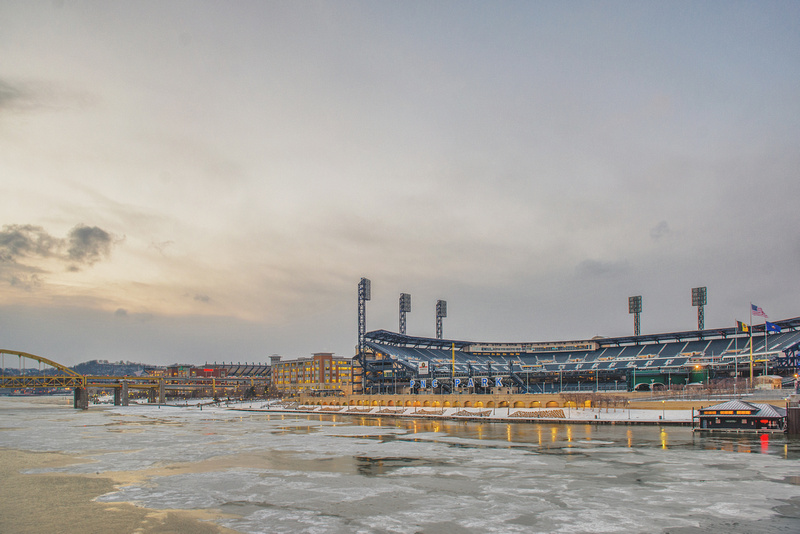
18, 241
26, 249
11, 97
35, 95
88, 245
161, 246
600, 268
26, 282
202, 298
659, 230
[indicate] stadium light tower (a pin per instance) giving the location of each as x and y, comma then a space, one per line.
364, 294
405, 307
635, 307
441, 311
699, 299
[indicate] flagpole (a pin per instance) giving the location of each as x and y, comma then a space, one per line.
751, 344
766, 348
736, 358
453, 348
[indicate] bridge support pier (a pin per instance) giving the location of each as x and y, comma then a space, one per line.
124, 393
151, 395
81, 399
117, 396
162, 393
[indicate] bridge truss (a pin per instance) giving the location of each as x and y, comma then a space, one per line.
61, 376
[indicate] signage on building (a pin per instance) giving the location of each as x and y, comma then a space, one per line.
423, 368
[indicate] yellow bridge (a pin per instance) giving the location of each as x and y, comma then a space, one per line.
62, 376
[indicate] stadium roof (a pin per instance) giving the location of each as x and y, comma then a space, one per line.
390, 338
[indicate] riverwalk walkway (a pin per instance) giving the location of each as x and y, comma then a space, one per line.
517, 415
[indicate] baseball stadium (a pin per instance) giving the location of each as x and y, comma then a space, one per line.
746, 355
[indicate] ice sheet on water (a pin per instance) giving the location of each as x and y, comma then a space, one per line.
290, 473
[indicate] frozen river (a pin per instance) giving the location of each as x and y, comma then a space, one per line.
255, 472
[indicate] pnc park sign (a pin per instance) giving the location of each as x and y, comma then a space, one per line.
458, 382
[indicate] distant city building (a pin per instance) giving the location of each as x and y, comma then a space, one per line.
322, 373
179, 371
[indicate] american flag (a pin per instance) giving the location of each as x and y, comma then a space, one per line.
757, 311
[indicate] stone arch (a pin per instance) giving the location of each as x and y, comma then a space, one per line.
570, 404
375, 403
456, 404
437, 404
426, 403
416, 404
537, 404
587, 404
467, 404
391, 403
446, 404
479, 404
551, 404
490, 404
519, 404
408, 403
503, 404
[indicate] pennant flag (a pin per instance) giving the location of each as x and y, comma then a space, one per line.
742, 327
772, 327
757, 311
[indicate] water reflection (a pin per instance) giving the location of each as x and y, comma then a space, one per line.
585, 436
369, 466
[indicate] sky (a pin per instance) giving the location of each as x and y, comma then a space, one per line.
191, 181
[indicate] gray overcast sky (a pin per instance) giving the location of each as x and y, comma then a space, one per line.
208, 181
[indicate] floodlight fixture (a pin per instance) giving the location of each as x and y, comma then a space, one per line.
700, 299
699, 296
365, 289
635, 307
405, 302
405, 307
441, 311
